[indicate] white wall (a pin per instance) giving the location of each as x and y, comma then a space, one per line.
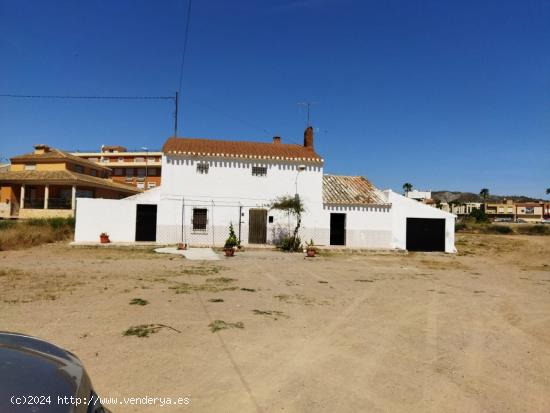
229, 187
403, 208
115, 217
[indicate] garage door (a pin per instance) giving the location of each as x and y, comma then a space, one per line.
425, 234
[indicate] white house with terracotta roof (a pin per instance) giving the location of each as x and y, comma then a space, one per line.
209, 184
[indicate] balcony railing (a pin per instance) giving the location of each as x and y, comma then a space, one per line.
59, 203
53, 203
34, 203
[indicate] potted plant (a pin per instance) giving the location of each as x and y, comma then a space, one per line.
104, 238
231, 242
181, 246
310, 249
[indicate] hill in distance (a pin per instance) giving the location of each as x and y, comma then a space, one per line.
456, 196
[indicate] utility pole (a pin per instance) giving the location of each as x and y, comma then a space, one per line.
176, 102
146, 171
308, 106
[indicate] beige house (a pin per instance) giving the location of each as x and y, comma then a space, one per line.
505, 210
529, 211
47, 182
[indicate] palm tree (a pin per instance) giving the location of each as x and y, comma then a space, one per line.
407, 187
484, 193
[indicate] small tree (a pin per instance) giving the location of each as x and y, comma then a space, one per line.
231, 241
547, 191
407, 187
479, 215
484, 193
291, 205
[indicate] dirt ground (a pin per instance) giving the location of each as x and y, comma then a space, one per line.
371, 332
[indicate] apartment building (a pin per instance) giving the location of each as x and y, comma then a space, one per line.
141, 169
505, 210
530, 211
47, 182
461, 209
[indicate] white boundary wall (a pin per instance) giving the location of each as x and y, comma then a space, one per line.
114, 217
403, 208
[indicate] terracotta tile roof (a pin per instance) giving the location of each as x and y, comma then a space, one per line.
56, 155
63, 177
350, 190
239, 149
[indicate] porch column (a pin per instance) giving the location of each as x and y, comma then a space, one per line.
22, 203
46, 195
73, 198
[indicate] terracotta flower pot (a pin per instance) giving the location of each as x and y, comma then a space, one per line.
181, 246
311, 252
104, 239
229, 252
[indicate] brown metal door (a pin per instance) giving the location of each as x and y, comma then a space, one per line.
257, 226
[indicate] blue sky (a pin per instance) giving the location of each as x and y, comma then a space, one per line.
444, 94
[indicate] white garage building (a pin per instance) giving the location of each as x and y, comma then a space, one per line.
208, 184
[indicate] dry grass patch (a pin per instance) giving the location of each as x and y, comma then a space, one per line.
32, 232
212, 285
299, 299
218, 325
138, 301
275, 315
21, 287
145, 330
203, 270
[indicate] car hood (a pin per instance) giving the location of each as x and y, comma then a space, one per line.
33, 367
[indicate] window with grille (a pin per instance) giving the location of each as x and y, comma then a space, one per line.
259, 170
199, 219
202, 168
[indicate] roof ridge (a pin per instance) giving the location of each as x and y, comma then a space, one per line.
240, 149
234, 141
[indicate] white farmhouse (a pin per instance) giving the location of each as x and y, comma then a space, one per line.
209, 184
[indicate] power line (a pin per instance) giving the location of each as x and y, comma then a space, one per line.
185, 39
177, 97
6, 95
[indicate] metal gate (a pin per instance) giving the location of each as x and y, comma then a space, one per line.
257, 226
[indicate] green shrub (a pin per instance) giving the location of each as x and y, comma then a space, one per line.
460, 226
5, 224
499, 229
534, 230
291, 244
37, 222
55, 223
479, 215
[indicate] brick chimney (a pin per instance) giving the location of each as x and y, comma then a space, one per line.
41, 149
276, 140
308, 137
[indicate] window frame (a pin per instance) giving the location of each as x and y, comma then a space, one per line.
196, 225
203, 168
259, 171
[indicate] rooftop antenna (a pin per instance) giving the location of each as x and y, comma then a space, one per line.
308, 107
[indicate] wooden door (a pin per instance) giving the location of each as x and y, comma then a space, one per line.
257, 226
